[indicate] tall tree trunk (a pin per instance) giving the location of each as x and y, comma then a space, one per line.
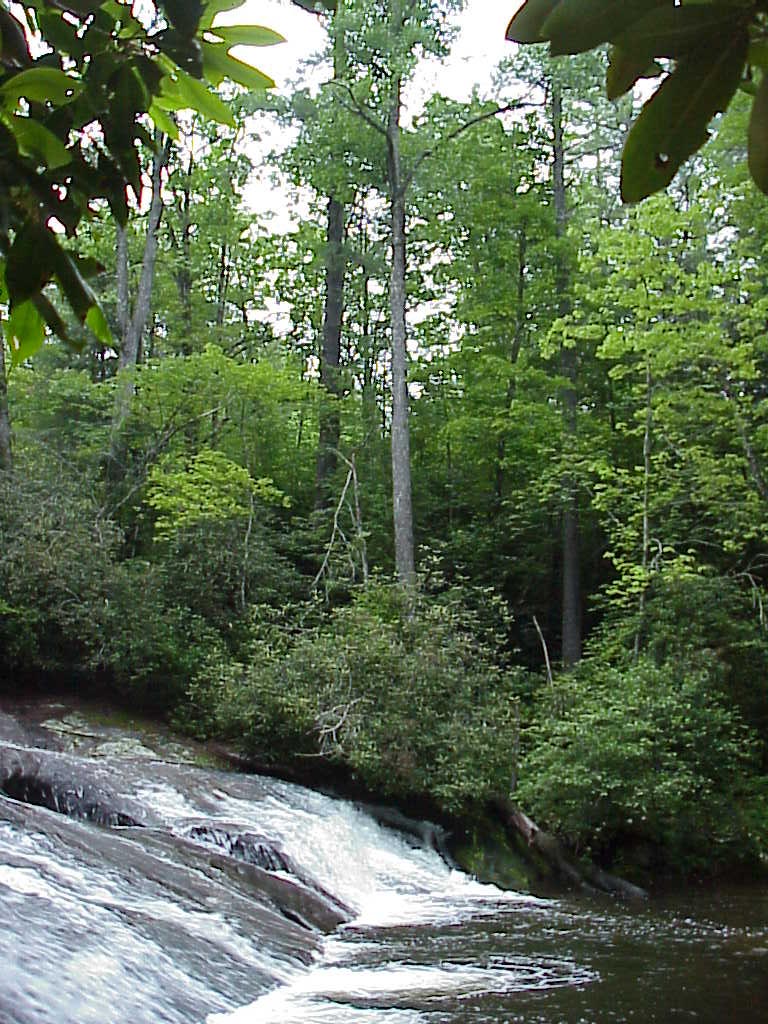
514, 353
6, 449
123, 300
223, 284
333, 313
135, 326
571, 553
129, 351
401, 444
330, 356
647, 466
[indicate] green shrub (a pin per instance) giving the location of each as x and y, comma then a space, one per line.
405, 690
643, 755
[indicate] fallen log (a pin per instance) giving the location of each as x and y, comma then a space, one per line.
587, 877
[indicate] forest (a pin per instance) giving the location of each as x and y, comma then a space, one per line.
454, 485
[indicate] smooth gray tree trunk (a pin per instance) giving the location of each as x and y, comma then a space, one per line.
571, 547
6, 448
135, 326
405, 563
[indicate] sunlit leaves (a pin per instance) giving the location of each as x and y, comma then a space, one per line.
41, 85
210, 487
24, 332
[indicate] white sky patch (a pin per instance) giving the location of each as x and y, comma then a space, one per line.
476, 52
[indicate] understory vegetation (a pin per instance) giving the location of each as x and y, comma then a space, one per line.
208, 530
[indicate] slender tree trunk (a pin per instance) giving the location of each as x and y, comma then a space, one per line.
129, 351
330, 356
135, 326
123, 300
184, 277
6, 448
571, 560
223, 284
646, 552
401, 444
514, 354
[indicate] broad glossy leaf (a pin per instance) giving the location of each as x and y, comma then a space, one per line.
41, 85
218, 65
97, 322
527, 24
576, 26
197, 96
184, 15
162, 121
624, 71
25, 332
758, 55
215, 7
13, 43
76, 289
27, 268
673, 124
182, 50
50, 314
677, 31
758, 137
35, 140
247, 35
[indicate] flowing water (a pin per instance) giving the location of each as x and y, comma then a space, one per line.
156, 920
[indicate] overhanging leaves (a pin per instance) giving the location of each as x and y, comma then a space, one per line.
527, 25
674, 122
758, 137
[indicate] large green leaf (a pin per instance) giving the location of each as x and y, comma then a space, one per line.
215, 7
673, 123
579, 25
218, 65
247, 35
161, 120
25, 332
624, 71
40, 85
97, 322
758, 137
28, 268
677, 31
184, 15
34, 139
195, 95
527, 24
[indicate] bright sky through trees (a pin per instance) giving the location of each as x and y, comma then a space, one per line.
479, 47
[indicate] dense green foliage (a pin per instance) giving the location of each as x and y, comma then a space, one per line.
405, 691
610, 367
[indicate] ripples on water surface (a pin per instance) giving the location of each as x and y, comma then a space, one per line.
102, 926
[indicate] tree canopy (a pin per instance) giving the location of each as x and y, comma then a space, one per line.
81, 86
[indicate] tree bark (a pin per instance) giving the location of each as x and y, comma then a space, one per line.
129, 351
571, 554
333, 313
6, 447
123, 300
401, 444
184, 274
330, 356
134, 329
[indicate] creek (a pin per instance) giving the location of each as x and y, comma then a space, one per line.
137, 886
